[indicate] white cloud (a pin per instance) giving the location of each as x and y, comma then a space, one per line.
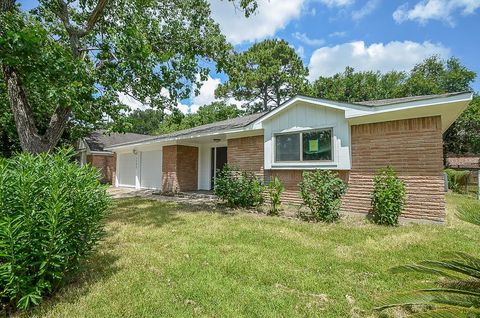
442, 10
271, 16
302, 37
300, 51
131, 102
367, 9
400, 56
337, 3
207, 92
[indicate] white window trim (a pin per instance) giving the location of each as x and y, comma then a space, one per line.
309, 163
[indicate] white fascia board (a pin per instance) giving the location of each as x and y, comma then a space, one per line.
467, 97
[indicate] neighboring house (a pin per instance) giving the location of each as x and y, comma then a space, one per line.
470, 162
91, 150
304, 134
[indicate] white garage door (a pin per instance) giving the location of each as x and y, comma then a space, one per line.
151, 170
126, 169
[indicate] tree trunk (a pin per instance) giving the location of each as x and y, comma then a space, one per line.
30, 140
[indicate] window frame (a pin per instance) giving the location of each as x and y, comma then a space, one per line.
300, 133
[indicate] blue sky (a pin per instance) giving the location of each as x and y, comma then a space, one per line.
366, 34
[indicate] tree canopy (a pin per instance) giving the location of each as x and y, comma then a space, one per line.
264, 76
157, 122
66, 61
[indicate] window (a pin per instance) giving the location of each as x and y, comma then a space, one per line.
317, 145
313, 145
287, 147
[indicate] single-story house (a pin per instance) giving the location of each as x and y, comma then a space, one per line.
304, 133
91, 150
470, 162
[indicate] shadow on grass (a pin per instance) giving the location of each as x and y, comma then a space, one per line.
99, 267
146, 212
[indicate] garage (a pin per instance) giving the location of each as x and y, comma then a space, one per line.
151, 169
126, 172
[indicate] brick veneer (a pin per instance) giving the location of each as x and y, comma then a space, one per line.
413, 147
180, 168
106, 164
246, 153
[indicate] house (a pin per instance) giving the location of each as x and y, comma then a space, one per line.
91, 150
470, 162
355, 139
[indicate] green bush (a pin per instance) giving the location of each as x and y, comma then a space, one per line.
275, 190
388, 197
239, 188
51, 213
457, 179
322, 191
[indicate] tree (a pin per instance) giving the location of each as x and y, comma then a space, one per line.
66, 61
264, 76
144, 121
351, 86
213, 112
464, 134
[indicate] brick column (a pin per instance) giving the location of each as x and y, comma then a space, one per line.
180, 168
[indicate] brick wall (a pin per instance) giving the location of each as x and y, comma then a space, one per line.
246, 153
180, 168
413, 148
106, 164
291, 179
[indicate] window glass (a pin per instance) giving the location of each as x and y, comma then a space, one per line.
317, 145
287, 147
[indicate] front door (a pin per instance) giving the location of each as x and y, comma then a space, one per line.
218, 161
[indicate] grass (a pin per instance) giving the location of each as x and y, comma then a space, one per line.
167, 260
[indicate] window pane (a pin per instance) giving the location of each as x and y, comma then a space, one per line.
287, 147
317, 145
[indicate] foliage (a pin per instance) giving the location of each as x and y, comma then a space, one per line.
238, 188
275, 189
464, 134
264, 76
458, 293
51, 214
144, 121
457, 179
206, 114
469, 212
388, 197
431, 76
321, 192
79, 58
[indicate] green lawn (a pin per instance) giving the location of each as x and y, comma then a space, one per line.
165, 260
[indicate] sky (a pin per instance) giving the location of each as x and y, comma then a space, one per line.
329, 35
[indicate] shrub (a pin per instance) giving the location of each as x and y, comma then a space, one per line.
388, 197
322, 191
457, 179
275, 190
238, 188
51, 213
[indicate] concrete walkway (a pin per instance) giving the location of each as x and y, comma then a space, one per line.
197, 197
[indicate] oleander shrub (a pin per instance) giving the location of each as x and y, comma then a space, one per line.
51, 218
388, 197
457, 180
275, 189
322, 191
238, 188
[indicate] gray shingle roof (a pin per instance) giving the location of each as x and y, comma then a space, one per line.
244, 121
218, 126
98, 140
391, 101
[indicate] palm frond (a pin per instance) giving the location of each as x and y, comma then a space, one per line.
469, 212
